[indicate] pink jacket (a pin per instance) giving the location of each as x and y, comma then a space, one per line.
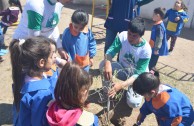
58, 116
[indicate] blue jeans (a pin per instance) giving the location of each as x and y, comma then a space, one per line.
110, 37
133, 99
4, 27
121, 72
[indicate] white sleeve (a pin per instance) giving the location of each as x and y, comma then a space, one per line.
59, 43
56, 37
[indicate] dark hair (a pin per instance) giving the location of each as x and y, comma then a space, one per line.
70, 82
146, 82
24, 60
160, 11
137, 25
80, 17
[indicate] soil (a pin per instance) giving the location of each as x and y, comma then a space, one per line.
177, 69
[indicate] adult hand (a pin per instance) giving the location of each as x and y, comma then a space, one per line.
116, 87
91, 62
63, 54
108, 70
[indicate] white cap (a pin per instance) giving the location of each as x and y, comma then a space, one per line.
134, 100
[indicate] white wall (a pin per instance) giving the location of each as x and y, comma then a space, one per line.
147, 10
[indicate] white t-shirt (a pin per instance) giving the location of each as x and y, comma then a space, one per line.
41, 16
130, 54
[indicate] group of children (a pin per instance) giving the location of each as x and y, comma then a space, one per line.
170, 106
43, 97
36, 84
176, 17
133, 51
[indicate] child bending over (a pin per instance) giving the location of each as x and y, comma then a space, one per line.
171, 107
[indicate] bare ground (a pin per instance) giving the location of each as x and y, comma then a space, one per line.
177, 70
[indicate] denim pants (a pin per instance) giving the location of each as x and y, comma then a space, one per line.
4, 27
133, 99
118, 70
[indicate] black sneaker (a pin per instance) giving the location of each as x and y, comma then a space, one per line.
170, 50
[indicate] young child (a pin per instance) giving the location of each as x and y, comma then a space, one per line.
78, 41
171, 107
134, 57
10, 16
71, 93
158, 41
32, 91
177, 16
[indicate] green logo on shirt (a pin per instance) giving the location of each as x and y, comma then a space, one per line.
129, 58
53, 20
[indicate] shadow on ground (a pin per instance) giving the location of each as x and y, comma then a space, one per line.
175, 73
94, 72
6, 111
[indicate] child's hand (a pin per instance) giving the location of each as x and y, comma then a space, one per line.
63, 54
91, 62
156, 52
177, 18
